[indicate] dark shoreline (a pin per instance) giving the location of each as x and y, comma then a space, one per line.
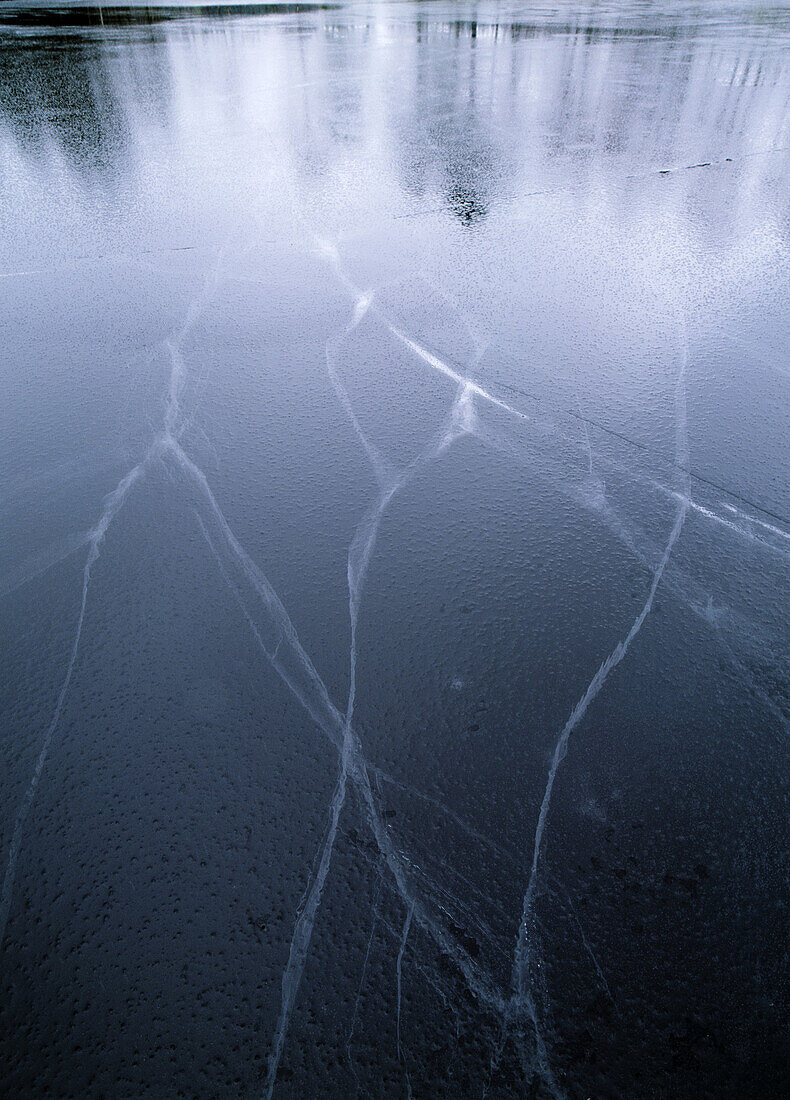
97, 16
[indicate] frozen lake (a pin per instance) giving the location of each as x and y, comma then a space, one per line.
394, 551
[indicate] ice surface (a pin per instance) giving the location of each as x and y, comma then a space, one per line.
395, 535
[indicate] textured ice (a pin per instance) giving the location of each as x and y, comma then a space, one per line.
395, 542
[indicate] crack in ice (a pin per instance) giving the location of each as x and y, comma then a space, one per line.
95, 536
522, 1000
113, 504
359, 554
355, 1013
399, 975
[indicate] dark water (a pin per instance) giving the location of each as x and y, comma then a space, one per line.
394, 546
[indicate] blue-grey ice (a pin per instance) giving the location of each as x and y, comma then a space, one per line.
394, 547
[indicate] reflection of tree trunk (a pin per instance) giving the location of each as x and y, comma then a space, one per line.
465, 105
